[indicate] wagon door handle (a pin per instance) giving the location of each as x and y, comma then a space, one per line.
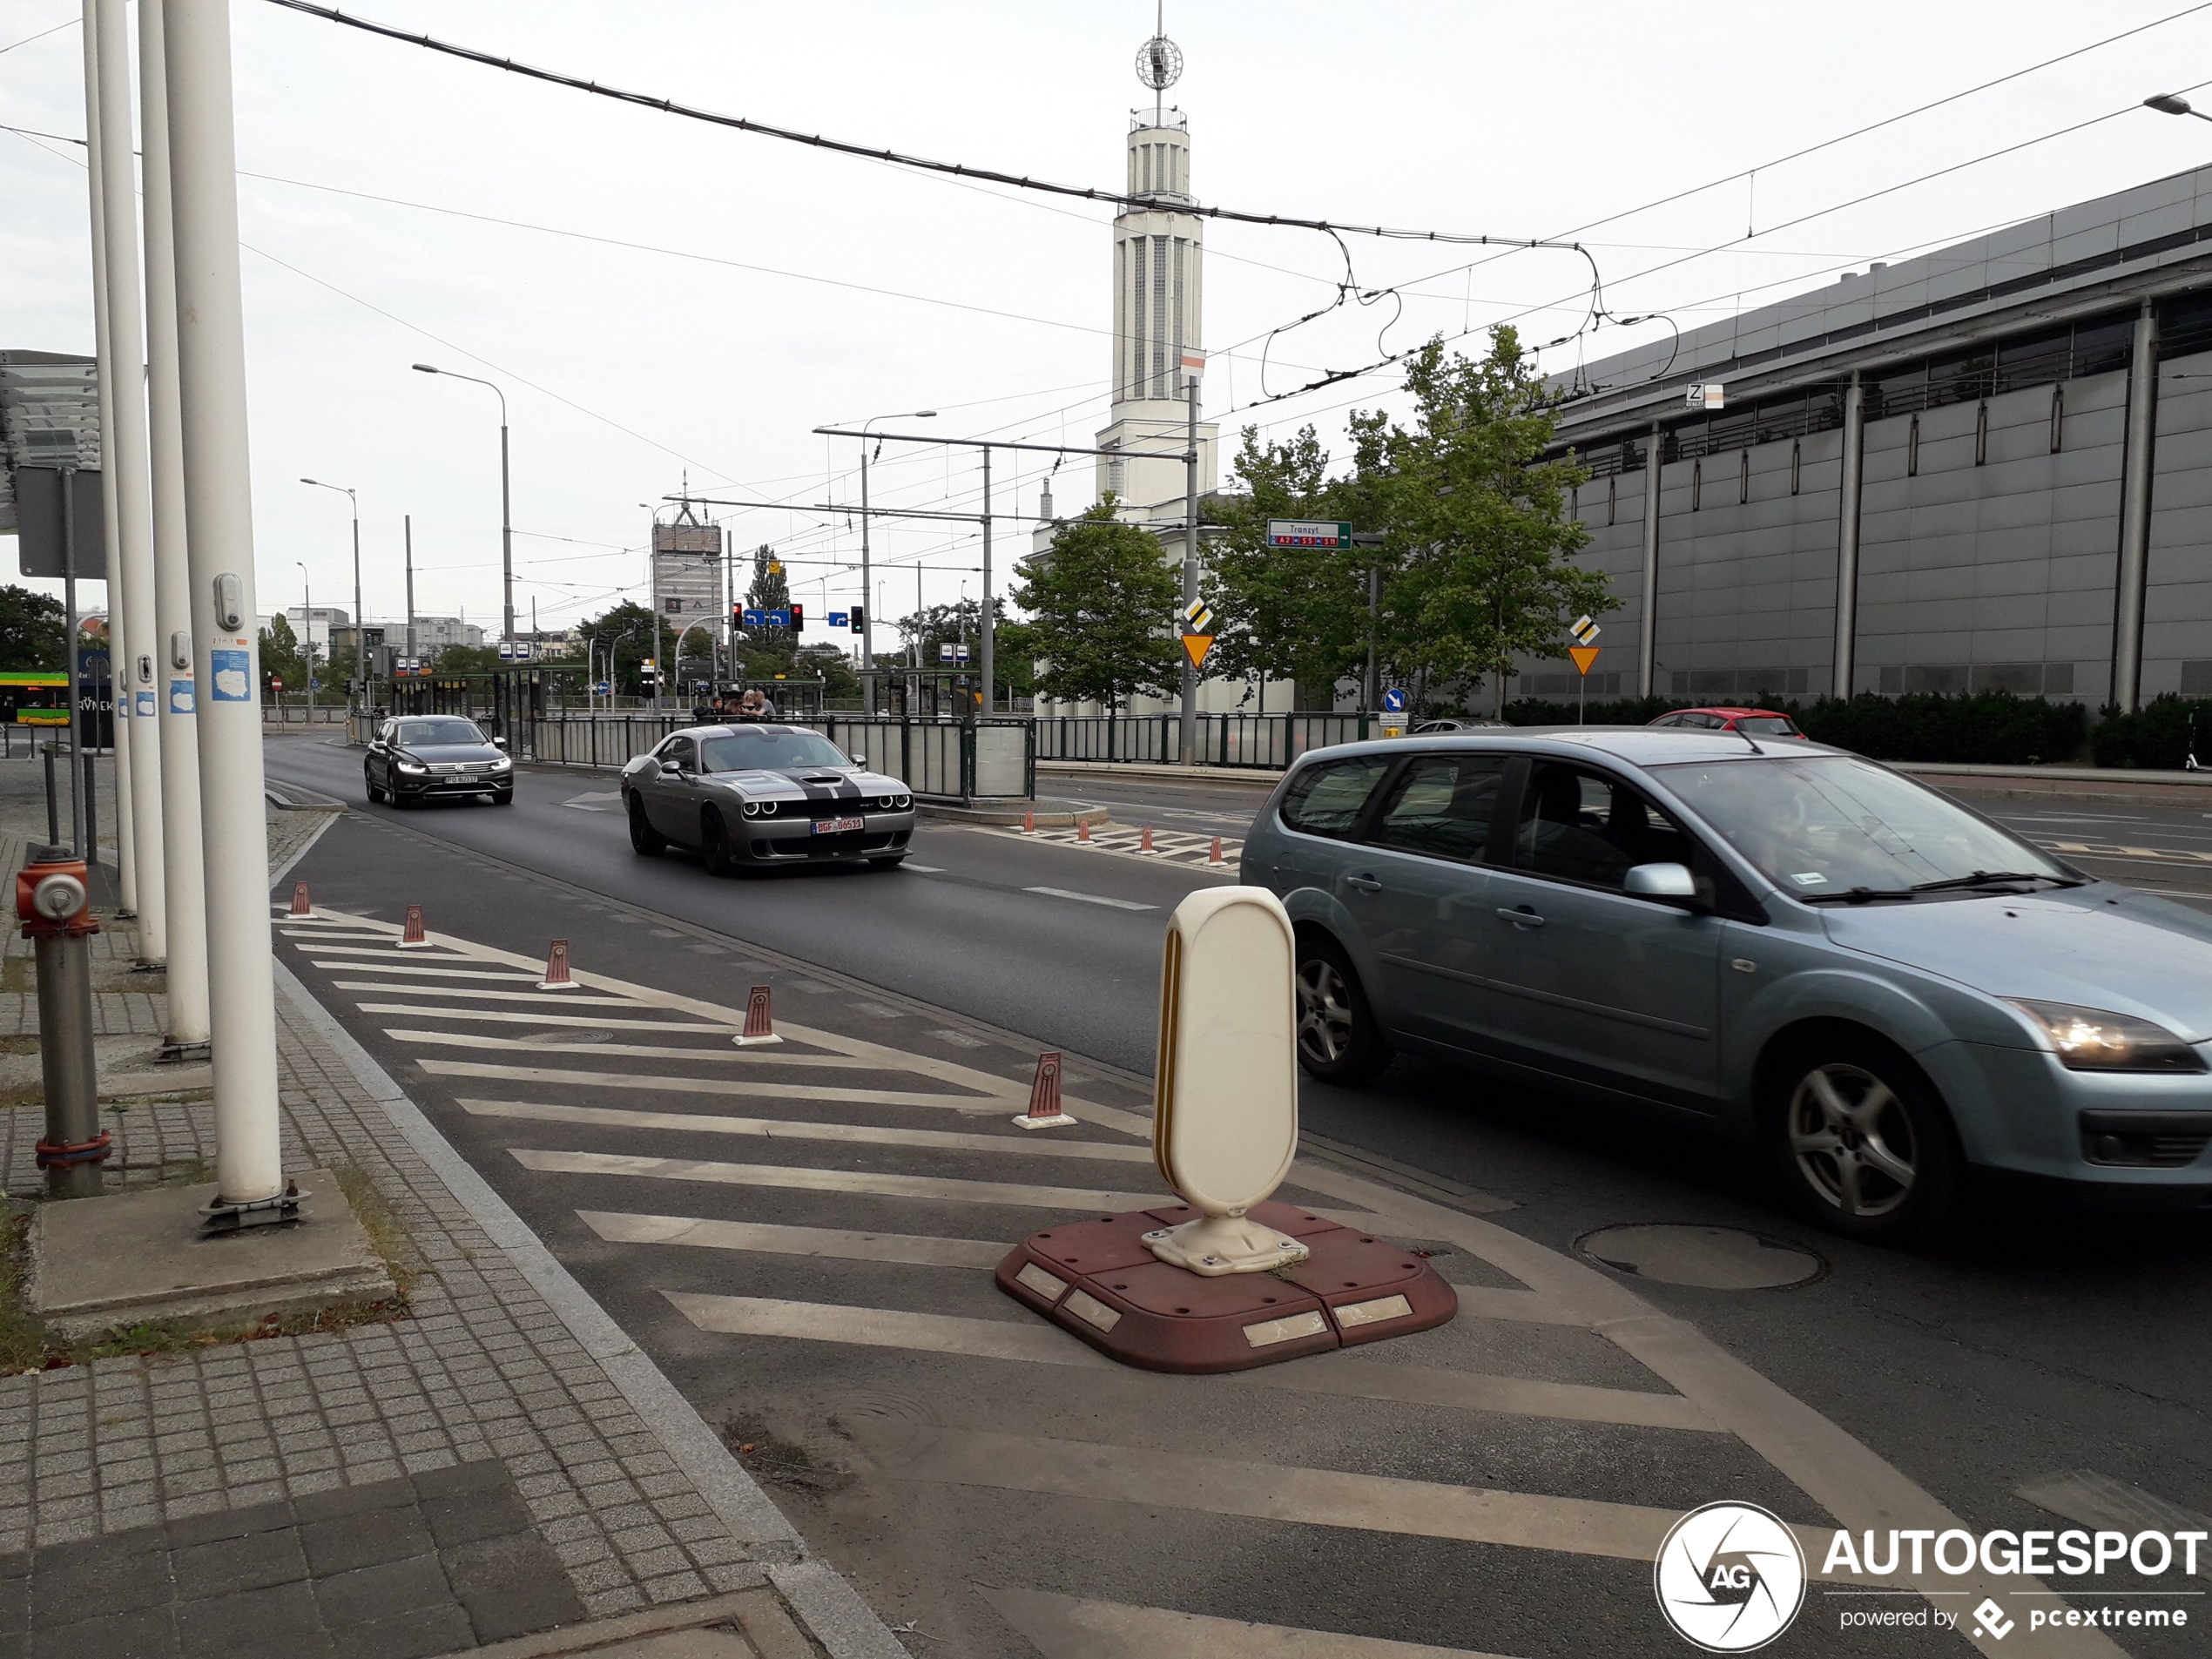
1523, 917
1365, 883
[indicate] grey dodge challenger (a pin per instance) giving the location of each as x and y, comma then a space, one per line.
751, 797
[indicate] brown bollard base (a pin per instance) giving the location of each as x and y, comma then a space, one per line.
1099, 1281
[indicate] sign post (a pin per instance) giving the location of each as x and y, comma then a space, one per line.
1584, 652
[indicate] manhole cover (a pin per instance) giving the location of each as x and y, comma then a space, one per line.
1711, 1258
570, 1039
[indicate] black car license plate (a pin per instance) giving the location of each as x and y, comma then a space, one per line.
838, 825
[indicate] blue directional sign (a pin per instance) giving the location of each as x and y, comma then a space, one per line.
1393, 701
779, 618
756, 619
602, 688
841, 618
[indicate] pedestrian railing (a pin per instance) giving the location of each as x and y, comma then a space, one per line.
942, 761
1253, 740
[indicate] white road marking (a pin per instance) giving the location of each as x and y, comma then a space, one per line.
1091, 897
799, 1178
1163, 1479
705, 1085
721, 1054
926, 869
567, 998
594, 801
620, 1228
1013, 1142
1066, 1627
1344, 1374
506, 1017
428, 970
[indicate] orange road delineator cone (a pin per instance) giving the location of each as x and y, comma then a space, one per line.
1216, 857
300, 905
1045, 1111
557, 969
1144, 844
413, 938
1028, 823
760, 1030
1082, 829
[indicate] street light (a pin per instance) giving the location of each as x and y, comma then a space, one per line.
867, 620
308, 648
506, 516
360, 628
2174, 104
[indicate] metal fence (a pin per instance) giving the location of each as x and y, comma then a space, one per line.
962, 761
299, 714
1255, 740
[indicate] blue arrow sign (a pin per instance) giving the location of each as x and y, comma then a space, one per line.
841, 618
779, 618
756, 619
1393, 701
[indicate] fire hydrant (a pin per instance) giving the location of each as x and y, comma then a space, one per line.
51, 902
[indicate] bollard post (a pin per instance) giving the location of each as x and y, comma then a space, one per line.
50, 899
92, 848
53, 802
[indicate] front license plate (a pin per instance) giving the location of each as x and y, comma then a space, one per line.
838, 825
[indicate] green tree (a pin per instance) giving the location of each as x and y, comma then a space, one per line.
607, 629
31, 625
1479, 545
1298, 614
1102, 603
280, 656
466, 659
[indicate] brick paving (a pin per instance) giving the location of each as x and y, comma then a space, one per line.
482, 1381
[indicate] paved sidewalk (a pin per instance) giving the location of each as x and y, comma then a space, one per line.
494, 1462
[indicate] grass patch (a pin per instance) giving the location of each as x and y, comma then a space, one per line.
27, 1344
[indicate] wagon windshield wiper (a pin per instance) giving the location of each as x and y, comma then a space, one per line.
1992, 878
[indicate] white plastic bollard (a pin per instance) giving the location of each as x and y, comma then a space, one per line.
1224, 1122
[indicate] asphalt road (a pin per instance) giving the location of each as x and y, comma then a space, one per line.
2013, 1349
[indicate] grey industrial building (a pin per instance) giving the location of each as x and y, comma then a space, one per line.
1987, 467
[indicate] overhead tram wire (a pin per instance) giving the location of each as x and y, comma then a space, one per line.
923, 164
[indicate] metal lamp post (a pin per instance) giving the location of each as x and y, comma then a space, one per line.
307, 643
361, 626
867, 619
506, 503
2174, 104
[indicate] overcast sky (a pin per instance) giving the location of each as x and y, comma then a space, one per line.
746, 290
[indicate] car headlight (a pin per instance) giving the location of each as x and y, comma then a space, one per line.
902, 802
413, 765
502, 763
2098, 1040
752, 809
768, 808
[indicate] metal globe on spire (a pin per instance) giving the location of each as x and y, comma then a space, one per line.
1159, 63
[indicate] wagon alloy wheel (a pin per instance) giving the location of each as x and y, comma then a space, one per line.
1853, 1140
1324, 1012
1338, 1039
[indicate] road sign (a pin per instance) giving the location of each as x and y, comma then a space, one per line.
1197, 618
601, 688
754, 618
1196, 647
1711, 395
1583, 656
1194, 361
1393, 701
1585, 630
960, 654
945, 652
1308, 532
779, 618
839, 618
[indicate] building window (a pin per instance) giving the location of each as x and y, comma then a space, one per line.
2058, 417
1912, 449
1744, 477
1795, 457
1981, 433
671, 605
1176, 379
1696, 483
1611, 486
1159, 365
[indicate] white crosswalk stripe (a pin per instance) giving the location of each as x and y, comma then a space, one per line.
1179, 847
776, 1250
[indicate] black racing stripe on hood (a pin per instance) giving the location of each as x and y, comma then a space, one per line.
824, 788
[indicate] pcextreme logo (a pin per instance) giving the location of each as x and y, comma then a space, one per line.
1730, 1577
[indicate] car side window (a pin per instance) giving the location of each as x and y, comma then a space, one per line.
681, 752
1442, 806
1581, 825
1326, 799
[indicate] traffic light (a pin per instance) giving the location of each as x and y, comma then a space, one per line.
859, 617
799, 619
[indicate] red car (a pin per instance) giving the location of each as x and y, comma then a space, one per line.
1760, 722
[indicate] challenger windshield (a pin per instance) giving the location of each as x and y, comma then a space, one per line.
746, 750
